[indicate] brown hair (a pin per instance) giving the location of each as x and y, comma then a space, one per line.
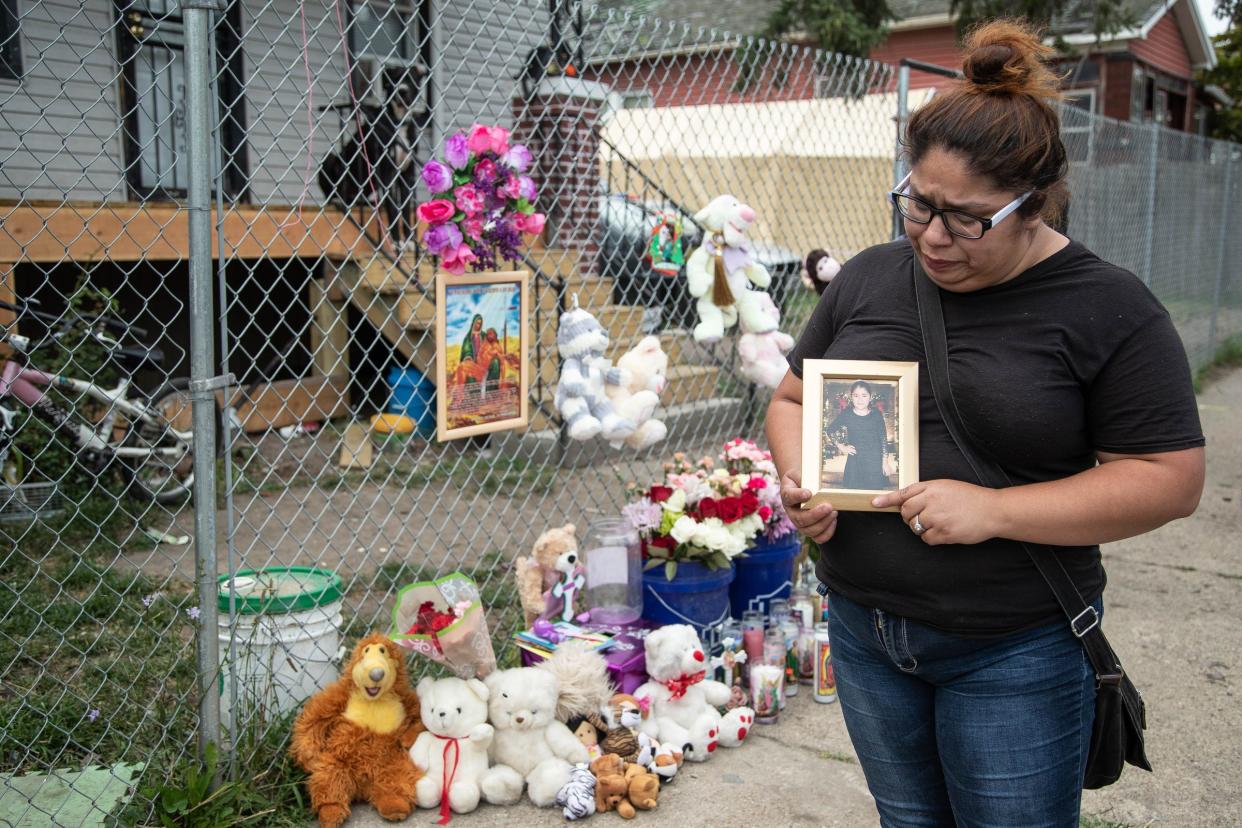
1000, 118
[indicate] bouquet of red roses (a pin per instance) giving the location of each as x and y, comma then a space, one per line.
444, 621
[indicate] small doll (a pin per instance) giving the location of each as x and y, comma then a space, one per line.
590, 730
818, 270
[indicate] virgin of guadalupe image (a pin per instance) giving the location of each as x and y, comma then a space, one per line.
860, 433
481, 359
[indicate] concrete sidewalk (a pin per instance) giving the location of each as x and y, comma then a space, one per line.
1175, 617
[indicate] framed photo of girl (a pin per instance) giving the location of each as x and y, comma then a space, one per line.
860, 430
482, 338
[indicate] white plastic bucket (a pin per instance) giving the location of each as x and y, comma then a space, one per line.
281, 646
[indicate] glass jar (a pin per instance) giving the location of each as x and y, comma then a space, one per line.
614, 572
752, 636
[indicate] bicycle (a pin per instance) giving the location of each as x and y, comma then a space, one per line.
151, 435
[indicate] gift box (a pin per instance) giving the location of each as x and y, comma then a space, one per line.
626, 659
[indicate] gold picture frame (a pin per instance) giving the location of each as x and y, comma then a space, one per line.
840, 463
486, 317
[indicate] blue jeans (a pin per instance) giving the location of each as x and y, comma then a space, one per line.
962, 731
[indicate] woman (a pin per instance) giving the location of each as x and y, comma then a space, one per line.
966, 696
866, 441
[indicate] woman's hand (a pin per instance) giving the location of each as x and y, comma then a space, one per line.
818, 523
846, 448
888, 466
948, 511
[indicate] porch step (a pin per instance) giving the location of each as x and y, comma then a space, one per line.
686, 384
670, 342
719, 418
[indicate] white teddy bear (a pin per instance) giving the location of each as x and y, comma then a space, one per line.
719, 273
457, 737
585, 376
684, 701
647, 365
763, 354
531, 747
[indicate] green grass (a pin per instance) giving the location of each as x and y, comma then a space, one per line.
1227, 357
1092, 821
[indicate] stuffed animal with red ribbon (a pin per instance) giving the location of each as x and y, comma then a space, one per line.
684, 701
452, 752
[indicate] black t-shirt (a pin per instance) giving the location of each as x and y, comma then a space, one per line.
1070, 357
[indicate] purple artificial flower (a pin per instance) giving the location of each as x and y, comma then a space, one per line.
457, 151
194, 613
438, 177
526, 188
442, 237
518, 157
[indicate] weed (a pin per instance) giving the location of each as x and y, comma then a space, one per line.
835, 756
1227, 356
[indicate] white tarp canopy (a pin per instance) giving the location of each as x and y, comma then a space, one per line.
816, 171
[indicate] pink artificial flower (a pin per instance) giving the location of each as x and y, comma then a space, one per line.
765, 512
532, 224
473, 227
469, 199
455, 261
756, 483
440, 209
485, 170
488, 139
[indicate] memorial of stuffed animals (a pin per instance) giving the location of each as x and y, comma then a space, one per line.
649, 638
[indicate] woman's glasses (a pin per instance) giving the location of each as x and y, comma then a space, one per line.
958, 223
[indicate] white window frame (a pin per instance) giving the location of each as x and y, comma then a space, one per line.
637, 98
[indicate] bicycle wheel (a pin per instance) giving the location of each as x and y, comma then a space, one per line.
164, 477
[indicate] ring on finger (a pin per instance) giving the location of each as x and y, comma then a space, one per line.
917, 525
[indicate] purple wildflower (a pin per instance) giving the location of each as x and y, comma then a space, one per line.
438, 177
92, 714
194, 613
456, 151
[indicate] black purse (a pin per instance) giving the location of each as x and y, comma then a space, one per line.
1120, 715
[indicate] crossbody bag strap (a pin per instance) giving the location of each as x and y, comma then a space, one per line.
1083, 618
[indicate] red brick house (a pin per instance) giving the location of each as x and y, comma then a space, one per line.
1143, 73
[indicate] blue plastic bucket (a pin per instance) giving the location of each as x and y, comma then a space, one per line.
697, 596
763, 573
413, 395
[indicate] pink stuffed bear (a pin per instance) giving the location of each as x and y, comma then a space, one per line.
763, 354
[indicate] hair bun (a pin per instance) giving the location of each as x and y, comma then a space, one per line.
1007, 56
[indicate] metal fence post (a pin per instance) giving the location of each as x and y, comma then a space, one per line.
1226, 210
1149, 223
903, 112
203, 378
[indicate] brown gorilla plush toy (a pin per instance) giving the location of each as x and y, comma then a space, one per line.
354, 736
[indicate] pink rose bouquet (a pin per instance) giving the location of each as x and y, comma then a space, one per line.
482, 200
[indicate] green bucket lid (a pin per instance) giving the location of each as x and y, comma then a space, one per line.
279, 589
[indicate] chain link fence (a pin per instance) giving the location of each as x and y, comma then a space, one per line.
1164, 205
265, 266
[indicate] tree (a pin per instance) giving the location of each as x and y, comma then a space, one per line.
1107, 16
1227, 74
1230, 10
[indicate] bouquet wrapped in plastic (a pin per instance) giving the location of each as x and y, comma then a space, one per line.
444, 621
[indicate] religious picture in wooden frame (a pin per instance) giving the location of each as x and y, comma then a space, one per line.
482, 340
860, 430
